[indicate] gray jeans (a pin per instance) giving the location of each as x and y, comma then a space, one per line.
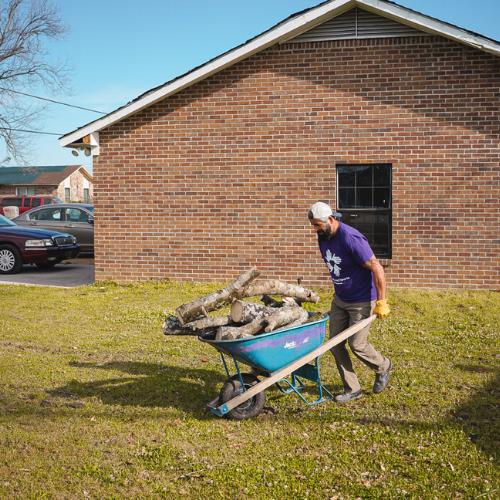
343, 315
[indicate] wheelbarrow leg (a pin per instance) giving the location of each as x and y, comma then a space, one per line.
309, 372
296, 385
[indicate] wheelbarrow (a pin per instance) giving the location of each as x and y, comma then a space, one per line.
285, 357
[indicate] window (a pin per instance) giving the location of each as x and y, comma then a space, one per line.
26, 202
26, 191
86, 195
36, 202
67, 195
47, 214
11, 202
364, 198
76, 215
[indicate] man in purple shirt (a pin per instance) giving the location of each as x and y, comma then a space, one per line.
359, 283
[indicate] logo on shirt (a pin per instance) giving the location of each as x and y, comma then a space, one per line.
332, 261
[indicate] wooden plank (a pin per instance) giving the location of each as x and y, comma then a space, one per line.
287, 370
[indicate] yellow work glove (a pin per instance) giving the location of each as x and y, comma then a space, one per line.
381, 309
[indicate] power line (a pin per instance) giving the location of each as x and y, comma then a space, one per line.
52, 100
29, 131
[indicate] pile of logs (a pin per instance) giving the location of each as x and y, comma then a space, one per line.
246, 318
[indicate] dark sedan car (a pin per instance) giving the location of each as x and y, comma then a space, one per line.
22, 245
73, 218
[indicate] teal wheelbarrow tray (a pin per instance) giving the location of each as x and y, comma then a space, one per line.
285, 357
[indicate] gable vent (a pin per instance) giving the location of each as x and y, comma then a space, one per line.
356, 23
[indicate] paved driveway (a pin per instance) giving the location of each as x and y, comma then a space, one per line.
68, 274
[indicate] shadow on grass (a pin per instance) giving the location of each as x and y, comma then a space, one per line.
151, 385
189, 389
479, 416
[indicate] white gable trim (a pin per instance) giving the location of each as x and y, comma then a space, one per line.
433, 26
283, 32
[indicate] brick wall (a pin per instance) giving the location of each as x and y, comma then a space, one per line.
219, 176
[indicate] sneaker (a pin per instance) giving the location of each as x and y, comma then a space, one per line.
381, 379
348, 396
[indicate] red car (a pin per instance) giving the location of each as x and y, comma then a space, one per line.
42, 247
25, 203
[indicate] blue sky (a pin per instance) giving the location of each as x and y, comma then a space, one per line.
117, 49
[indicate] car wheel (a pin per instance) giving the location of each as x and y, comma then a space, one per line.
10, 260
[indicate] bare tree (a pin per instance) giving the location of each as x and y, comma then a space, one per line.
25, 25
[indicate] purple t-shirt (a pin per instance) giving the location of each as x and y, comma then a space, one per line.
344, 254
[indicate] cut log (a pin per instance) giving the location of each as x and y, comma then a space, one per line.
239, 332
201, 327
304, 317
201, 324
277, 287
288, 316
203, 305
285, 316
172, 326
245, 312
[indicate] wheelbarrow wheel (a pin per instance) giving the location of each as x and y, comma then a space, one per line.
232, 388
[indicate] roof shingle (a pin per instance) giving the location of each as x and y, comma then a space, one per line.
36, 176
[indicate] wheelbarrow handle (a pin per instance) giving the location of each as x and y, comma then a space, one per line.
286, 370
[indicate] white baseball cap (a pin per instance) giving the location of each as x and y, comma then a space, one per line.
321, 210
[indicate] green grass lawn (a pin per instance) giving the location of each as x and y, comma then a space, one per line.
96, 402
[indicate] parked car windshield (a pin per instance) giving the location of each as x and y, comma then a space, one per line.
6, 222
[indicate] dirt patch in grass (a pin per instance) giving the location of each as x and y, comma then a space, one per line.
96, 402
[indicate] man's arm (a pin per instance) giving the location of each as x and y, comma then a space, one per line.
381, 307
361, 250
378, 276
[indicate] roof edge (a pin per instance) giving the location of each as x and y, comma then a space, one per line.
283, 31
424, 22
85, 172
260, 42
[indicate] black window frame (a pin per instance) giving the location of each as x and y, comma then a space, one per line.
358, 216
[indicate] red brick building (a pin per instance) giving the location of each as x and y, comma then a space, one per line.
388, 114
